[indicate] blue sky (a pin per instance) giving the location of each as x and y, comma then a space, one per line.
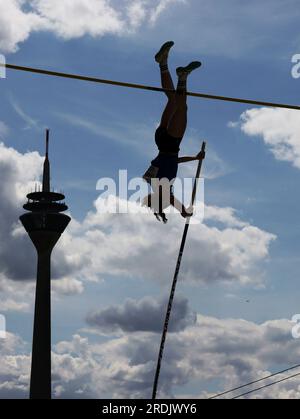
96, 130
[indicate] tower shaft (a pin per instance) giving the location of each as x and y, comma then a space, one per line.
40, 380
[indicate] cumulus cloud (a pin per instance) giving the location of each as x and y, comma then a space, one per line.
278, 128
75, 18
145, 315
225, 215
233, 252
229, 351
68, 286
19, 173
12, 305
14, 367
232, 352
16, 24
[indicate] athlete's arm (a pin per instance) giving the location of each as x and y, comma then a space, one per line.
186, 159
200, 156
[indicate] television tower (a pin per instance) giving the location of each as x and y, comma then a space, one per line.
44, 224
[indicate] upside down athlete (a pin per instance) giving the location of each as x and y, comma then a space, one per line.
169, 135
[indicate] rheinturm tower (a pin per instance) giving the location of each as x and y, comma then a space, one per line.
44, 224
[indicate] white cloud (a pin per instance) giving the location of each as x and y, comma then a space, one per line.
14, 367
278, 128
15, 24
232, 252
225, 216
12, 305
67, 286
19, 173
160, 8
75, 18
231, 352
136, 13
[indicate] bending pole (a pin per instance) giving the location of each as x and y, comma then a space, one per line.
171, 298
143, 87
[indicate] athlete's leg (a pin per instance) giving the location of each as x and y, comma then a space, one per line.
170, 108
176, 203
185, 212
166, 82
178, 121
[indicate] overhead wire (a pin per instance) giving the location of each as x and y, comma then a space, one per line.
254, 382
266, 385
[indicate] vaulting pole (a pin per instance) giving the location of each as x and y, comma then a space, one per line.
144, 87
172, 293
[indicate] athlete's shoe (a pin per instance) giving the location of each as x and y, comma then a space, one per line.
163, 53
185, 71
161, 217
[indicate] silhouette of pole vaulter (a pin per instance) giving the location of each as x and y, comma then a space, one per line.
168, 136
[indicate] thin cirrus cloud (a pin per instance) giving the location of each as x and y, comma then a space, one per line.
4, 130
130, 134
30, 122
122, 132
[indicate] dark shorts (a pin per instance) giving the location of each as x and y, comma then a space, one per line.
167, 166
167, 159
165, 142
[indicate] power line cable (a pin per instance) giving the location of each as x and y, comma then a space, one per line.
254, 382
267, 385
